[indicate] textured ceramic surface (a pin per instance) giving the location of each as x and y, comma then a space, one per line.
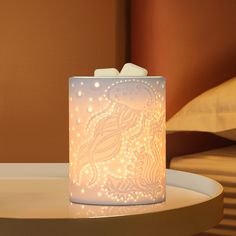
117, 140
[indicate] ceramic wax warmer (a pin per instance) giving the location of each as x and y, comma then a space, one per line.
117, 140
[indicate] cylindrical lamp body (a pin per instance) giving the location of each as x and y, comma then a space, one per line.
117, 140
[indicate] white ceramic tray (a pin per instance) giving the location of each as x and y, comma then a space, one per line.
34, 201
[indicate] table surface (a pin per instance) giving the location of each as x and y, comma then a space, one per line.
193, 204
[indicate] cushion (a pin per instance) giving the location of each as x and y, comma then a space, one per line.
213, 111
220, 162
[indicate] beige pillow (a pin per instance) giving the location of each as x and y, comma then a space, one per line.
213, 111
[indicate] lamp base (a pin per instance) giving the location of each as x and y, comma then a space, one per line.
84, 202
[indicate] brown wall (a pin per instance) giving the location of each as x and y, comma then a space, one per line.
42, 43
192, 44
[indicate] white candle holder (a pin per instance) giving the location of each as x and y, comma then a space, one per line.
117, 140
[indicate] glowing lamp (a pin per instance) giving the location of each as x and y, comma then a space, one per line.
117, 140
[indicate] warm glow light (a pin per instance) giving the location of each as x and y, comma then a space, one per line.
96, 85
90, 109
117, 140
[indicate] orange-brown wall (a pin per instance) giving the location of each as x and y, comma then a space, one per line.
42, 43
192, 44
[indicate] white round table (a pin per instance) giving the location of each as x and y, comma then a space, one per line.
39, 205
